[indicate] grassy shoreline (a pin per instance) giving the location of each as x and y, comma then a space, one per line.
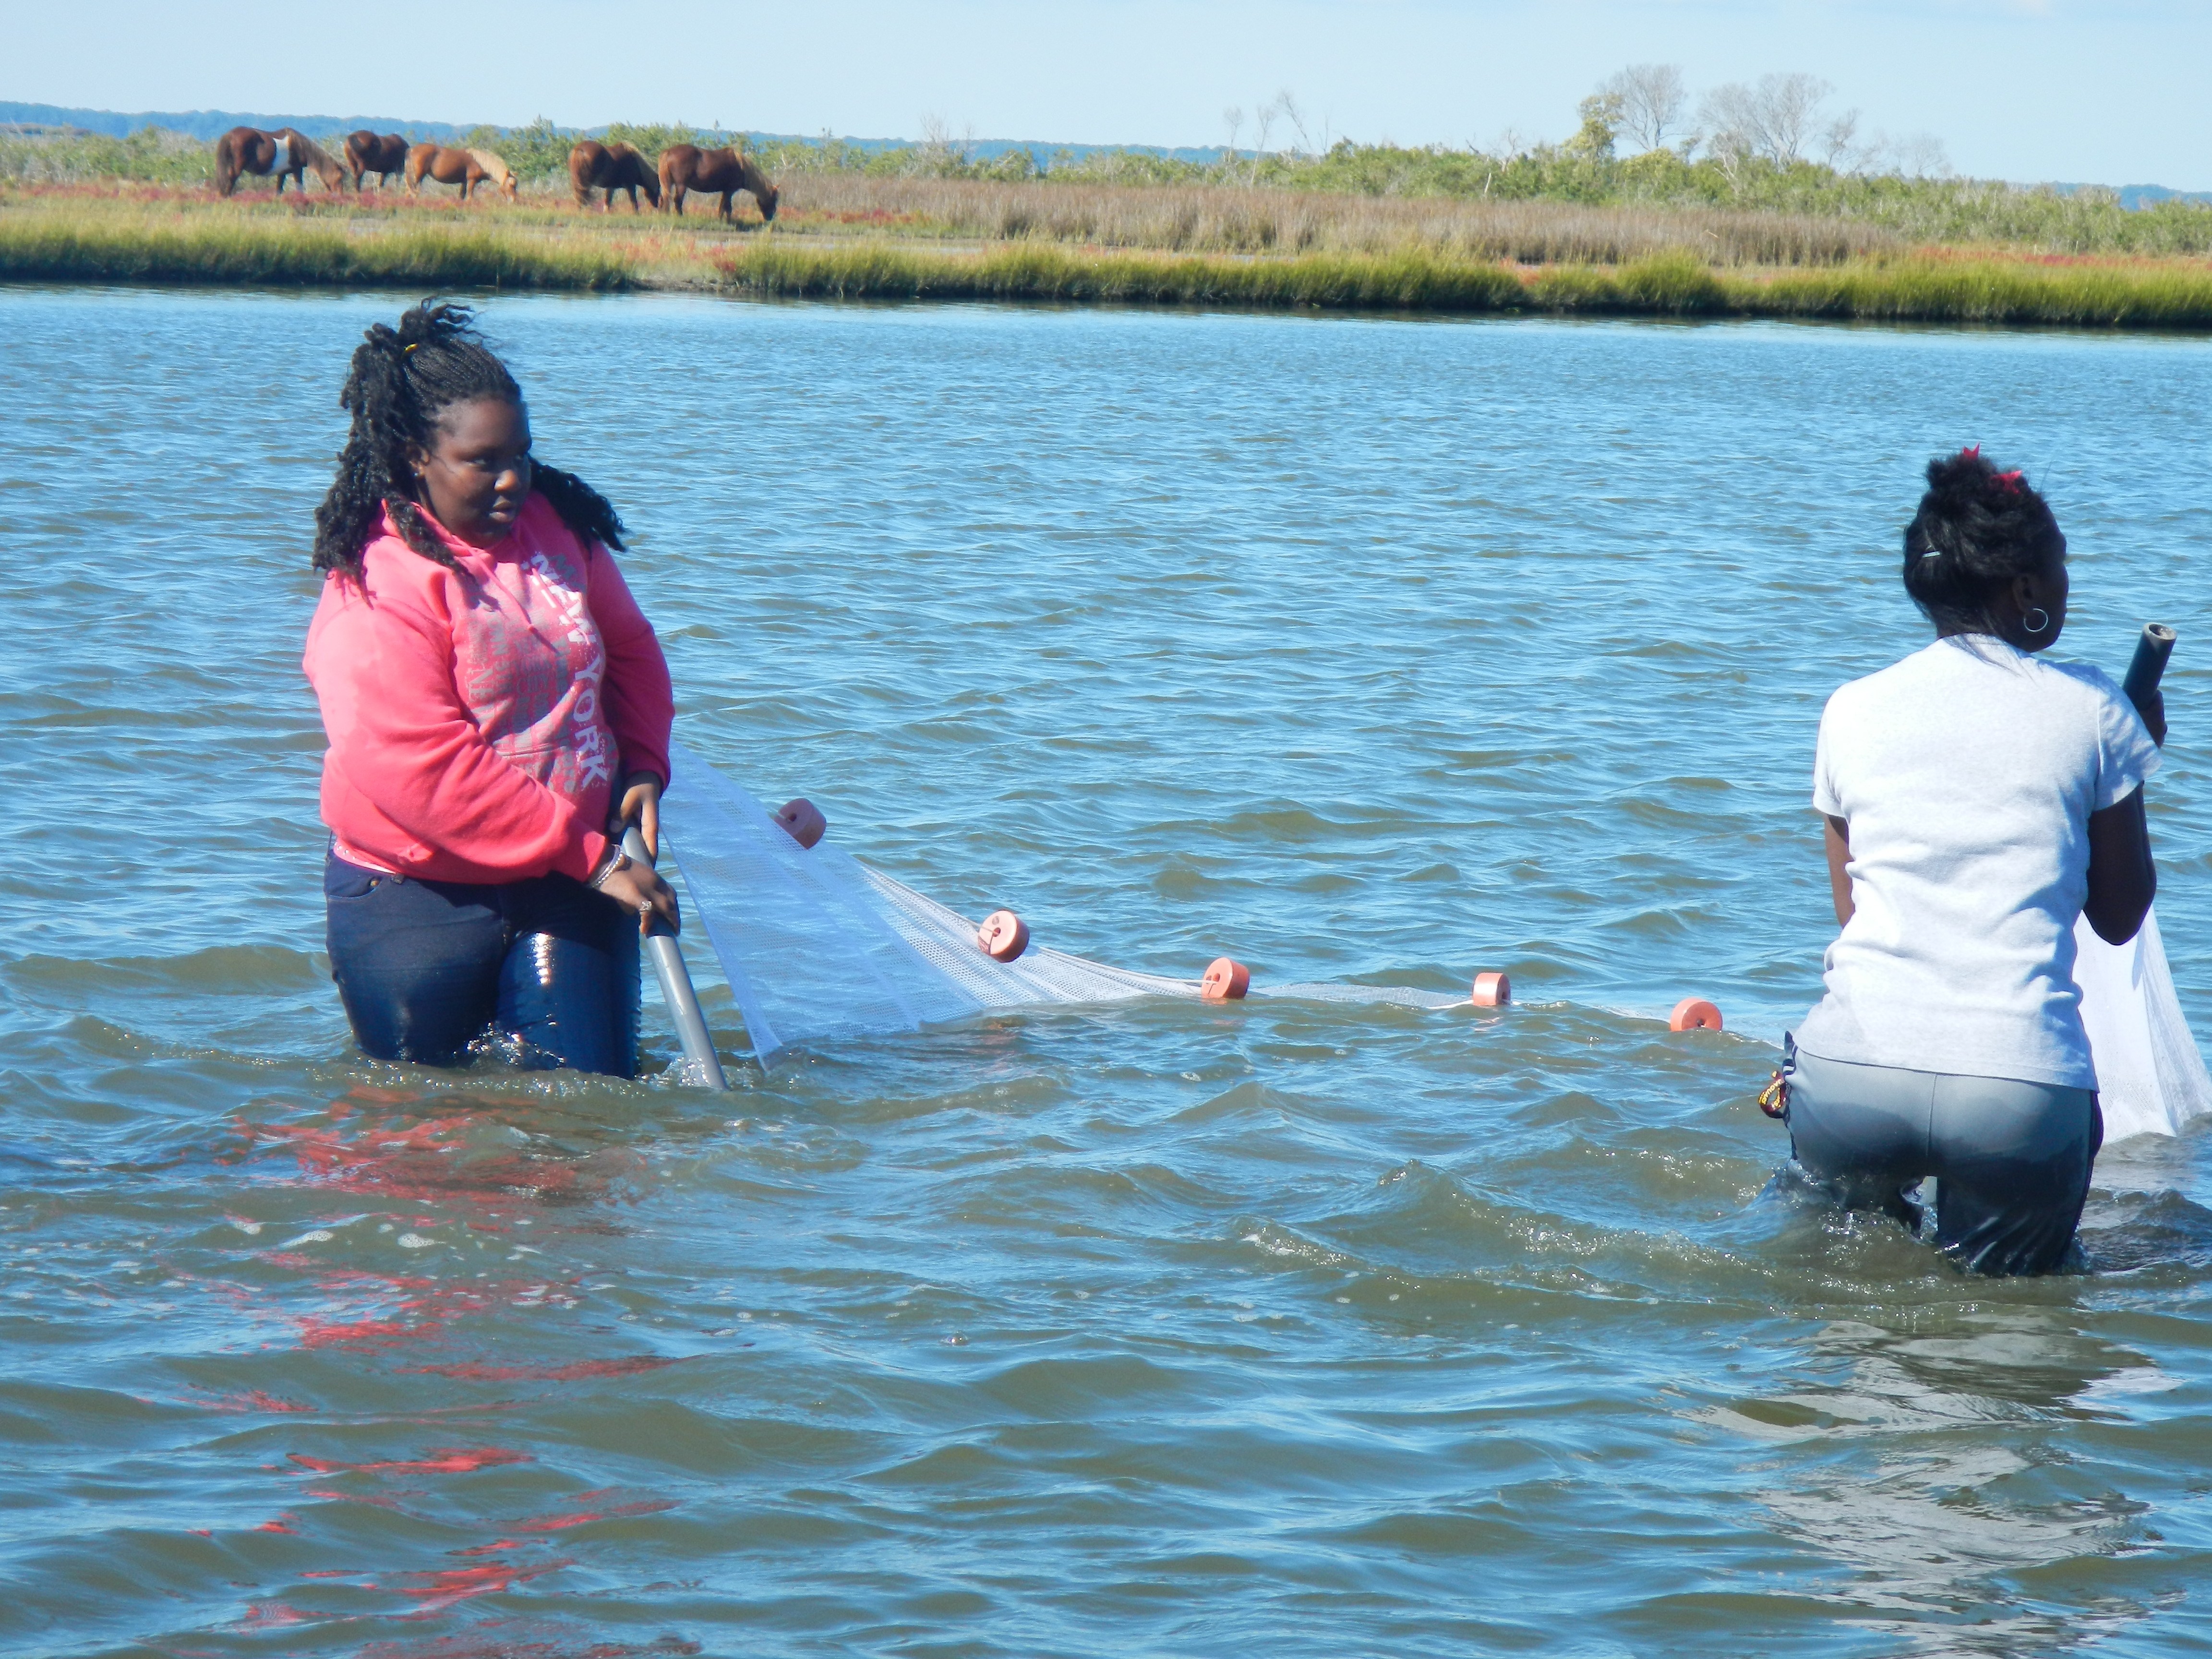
1993, 289
301, 256
49, 242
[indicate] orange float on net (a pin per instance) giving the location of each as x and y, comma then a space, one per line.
1694, 1014
1226, 980
804, 819
1491, 991
1003, 935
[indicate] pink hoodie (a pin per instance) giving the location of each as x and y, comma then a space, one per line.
480, 720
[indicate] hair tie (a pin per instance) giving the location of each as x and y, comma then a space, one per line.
1970, 453
2008, 483
412, 346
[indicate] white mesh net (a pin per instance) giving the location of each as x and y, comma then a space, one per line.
2150, 1077
817, 945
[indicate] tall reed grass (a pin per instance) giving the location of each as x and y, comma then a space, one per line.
2124, 296
1213, 219
1330, 281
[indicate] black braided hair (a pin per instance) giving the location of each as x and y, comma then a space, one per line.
401, 381
1977, 529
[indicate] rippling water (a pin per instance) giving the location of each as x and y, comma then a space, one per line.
1385, 650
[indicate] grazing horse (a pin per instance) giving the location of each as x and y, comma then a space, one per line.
287, 153
383, 155
467, 167
686, 167
612, 166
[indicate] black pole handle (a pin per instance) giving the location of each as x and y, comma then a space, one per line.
2152, 651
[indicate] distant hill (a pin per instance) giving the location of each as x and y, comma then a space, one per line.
2139, 196
212, 123
2142, 195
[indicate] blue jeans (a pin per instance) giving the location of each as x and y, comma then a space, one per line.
425, 968
2011, 1160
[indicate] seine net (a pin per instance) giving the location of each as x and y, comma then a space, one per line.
817, 945
2150, 1077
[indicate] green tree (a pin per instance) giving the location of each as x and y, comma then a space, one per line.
1601, 114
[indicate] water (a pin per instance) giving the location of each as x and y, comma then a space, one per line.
1383, 650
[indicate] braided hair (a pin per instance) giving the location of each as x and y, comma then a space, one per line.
1977, 529
401, 382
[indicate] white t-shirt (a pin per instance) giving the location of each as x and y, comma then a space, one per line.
1967, 773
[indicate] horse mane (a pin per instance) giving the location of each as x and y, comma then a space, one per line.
757, 181
303, 145
490, 162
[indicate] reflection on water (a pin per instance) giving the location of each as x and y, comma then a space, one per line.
1377, 649
1955, 1493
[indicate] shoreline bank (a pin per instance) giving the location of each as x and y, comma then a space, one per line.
1940, 286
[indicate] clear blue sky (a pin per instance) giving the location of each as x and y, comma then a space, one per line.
2115, 92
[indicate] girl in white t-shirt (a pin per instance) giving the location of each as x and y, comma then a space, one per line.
1979, 799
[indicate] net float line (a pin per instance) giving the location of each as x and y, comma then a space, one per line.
819, 947
1003, 937
1694, 1014
803, 822
1226, 980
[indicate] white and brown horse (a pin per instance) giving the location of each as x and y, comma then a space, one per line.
381, 154
467, 167
595, 166
287, 152
686, 167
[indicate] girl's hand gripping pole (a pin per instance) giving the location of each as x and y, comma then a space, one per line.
676, 990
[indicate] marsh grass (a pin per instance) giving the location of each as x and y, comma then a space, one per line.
1400, 281
1200, 219
2134, 294
167, 237
1935, 288
1590, 205
253, 250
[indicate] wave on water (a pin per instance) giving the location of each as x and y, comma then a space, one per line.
1292, 1326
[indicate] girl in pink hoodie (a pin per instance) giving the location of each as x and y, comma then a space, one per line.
497, 707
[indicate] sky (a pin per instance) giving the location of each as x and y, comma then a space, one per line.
2110, 93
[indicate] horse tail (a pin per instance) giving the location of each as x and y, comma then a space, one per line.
226, 164
676, 163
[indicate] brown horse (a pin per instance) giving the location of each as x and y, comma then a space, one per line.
287, 152
592, 165
383, 155
467, 167
686, 167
